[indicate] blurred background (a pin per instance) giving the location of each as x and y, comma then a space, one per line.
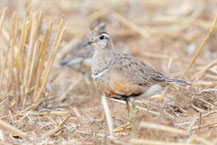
164, 34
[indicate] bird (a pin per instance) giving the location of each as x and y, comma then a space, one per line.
79, 58
121, 76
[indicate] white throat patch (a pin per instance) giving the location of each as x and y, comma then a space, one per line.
100, 74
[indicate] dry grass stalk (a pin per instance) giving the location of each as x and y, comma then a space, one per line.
56, 130
200, 47
30, 54
78, 142
11, 77
77, 113
28, 8
131, 25
173, 130
202, 140
62, 113
174, 34
3, 65
196, 119
108, 115
2, 18
163, 128
13, 129
100, 13
51, 57
200, 74
173, 19
28, 67
197, 108
3, 69
154, 142
211, 77
163, 57
123, 127
206, 114
206, 125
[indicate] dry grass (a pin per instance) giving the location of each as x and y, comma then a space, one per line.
42, 104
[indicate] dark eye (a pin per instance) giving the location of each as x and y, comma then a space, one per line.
101, 37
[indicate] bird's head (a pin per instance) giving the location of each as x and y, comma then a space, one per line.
99, 39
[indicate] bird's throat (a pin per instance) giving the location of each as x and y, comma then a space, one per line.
101, 59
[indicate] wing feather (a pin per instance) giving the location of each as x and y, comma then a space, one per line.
138, 72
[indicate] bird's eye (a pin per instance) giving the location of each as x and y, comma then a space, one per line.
101, 37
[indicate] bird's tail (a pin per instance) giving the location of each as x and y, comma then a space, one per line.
177, 81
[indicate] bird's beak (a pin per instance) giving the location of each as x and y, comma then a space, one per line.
88, 43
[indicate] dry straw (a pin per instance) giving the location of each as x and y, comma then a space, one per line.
169, 130
29, 58
27, 63
108, 115
212, 28
9, 127
131, 25
57, 129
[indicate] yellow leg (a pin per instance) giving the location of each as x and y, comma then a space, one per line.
131, 122
132, 118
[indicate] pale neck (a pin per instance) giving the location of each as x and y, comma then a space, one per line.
102, 58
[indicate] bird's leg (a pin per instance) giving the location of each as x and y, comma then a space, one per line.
132, 118
131, 106
128, 107
126, 125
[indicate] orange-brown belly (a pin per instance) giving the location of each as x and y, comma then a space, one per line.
118, 88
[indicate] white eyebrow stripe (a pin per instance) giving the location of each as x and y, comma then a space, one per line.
104, 34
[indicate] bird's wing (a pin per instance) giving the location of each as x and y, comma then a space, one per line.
138, 72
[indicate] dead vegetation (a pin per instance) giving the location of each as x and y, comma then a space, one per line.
42, 104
